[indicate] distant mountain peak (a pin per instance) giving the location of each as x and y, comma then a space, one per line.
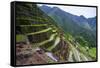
82, 16
55, 8
45, 6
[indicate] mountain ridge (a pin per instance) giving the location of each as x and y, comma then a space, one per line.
73, 24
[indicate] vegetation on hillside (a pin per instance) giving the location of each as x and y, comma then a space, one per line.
40, 39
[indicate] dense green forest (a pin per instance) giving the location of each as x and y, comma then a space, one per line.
82, 29
42, 39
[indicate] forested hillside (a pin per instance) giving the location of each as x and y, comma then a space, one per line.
40, 39
81, 28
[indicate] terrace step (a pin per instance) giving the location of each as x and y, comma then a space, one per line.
42, 31
55, 44
46, 41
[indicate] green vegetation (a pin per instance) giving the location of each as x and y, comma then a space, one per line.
20, 38
79, 31
66, 40
92, 52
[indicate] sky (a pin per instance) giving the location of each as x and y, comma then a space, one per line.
87, 12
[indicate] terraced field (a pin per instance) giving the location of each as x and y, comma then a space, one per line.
40, 41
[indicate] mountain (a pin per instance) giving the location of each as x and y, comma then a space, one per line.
46, 8
92, 22
38, 37
73, 24
43, 38
80, 20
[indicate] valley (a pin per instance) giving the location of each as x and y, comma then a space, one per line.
44, 37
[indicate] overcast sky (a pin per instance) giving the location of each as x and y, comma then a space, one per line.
88, 12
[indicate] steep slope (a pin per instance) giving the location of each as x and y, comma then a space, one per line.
75, 25
80, 20
39, 40
92, 22
38, 30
